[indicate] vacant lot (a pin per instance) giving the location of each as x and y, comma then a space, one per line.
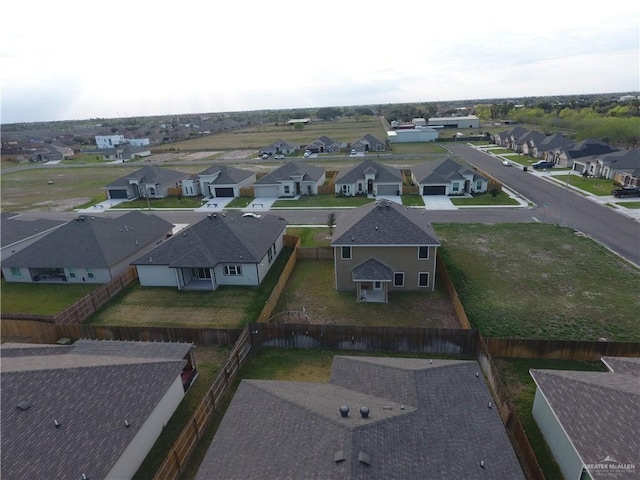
541, 281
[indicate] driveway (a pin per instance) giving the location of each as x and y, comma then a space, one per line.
260, 204
214, 204
438, 202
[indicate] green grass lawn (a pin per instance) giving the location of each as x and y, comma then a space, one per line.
84, 158
521, 389
325, 201
484, 199
239, 202
311, 236
41, 298
167, 202
428, 148
596, 186
541, 281
412, 200
634, 205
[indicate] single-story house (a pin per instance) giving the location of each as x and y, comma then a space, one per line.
368, 143
540, 149
505, 138
384, 247
608, 165
16, 233
447, 177
289, 180
368, 178
378, 418
89, 410
146, 182
565, 156
324, 144
218, 181
280, 147
525, 143
221, 249
87, 249
45, 153
590, 419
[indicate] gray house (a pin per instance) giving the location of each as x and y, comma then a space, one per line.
540, 149
608, 165
291, 179
218, 181
146, 182
221, 249
368, 178
324, 144
447, 177
590, 419
280, 147
377, 419
369, 143
383, 247
89, 410
16, 233
87, 249
566, 156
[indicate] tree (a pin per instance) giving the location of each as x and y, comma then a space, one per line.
331, 223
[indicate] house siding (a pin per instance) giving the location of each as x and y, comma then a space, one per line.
399, 259
249, 274
560, 446
156, 276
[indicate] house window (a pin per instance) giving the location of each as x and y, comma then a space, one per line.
287, 189
423, 279
346, 253
72, 272
90, 273
423, 252
201, 273
271, 253
16, 272
345, 189
455, 187
233, 269
479, 185
398, 279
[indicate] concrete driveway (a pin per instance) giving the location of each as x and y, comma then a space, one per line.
214, 204
438, 202
259, 204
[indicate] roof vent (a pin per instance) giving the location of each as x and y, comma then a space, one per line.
126, 423
481, 463
56, 423
344, 411
339, 456
489, 405
364, 458
84, 476
24, 405
477, 374
364, 411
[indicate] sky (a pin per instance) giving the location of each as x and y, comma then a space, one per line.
68, 60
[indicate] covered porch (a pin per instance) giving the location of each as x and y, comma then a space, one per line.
372, 279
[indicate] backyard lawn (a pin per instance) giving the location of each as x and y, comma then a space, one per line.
41, 298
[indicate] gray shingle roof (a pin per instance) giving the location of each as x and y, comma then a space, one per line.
13, 229
426, 420
384, 223
231, 237
586, 148
553, 141
372, 270
150, 174
597, 410
622, 365
227, 175
440, 172
289, 169
90, 395
95, 242
384, 173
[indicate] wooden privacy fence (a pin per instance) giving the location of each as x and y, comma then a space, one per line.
560, 349
444, 277
184, 445
315, 253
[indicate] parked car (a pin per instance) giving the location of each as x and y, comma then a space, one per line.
542, 164
307, 153
626, 192
279, 157
507, 163
353, 151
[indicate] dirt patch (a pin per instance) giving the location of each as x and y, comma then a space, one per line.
238, 154
61, 205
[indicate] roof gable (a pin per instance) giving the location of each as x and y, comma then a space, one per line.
290, 169
441, 171
384, 173
151, 175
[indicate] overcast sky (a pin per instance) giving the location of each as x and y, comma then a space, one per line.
74, 60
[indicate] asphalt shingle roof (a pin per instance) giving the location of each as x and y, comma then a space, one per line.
95, 242
290, 169
384, 223
426, 420
90, 395
372, 270
229, 237
150, 174
384, 173
597, 410
227, 175
13, 229
441, 172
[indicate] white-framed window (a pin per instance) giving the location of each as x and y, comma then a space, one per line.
345, 189
233, 270
346, 253
423, 279
479, 185
455, 187
72, 272
90, 273
287, 189
398, 279
423, 252
16, 272
271, 253
201, 273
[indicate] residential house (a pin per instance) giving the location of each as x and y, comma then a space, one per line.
368, 143
221, 249
368, 178
88, 410
566, 156
525, 143
289, 180
621, 162
378, 418
117, 147
87, 249
505, 138
384, 247
146, 182
447, 177
590, 419
218, 181
540, 149
324, 144
45, 153
17, 233
280, 147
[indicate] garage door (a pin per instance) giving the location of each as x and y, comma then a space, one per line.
387, 190
224, 192
434, 190
265, 191
117, 194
